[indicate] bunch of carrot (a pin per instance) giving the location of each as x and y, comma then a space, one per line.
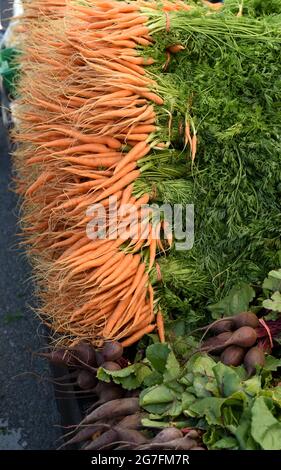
85, 113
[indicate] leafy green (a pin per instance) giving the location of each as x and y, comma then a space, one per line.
236, 301
235, 411
272, 363
274, 303
227, 83
265, 429
130, 377
157, 356
160, 366
273, 281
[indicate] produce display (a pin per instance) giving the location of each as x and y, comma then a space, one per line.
127, 106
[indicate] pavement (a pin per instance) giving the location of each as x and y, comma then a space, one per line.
29, 418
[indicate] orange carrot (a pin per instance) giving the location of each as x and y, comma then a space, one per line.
117, 313
137, 336
126, 195
152, 251
193, 147
90, 264
94, 148
160, 327
126, 263
115, 177
139, 151
175, 48
151, 297
129, 266
122, 183
138, 276
41, 181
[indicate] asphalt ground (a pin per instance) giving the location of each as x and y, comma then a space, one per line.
29, 418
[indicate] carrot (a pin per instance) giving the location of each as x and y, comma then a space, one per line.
152, 251
88, 246
99, 248
102, 272
142, 41
128, 266
48, 106
106, 161
85, 187
133, 312
99, 175
125, 67
80, 243
193, 147
153, 97
143, 321
123, 325
107, 297
175, 48
142, 128
93, 263
138, 276
71, 238
139, 151
132, 67
139, 60
123, 182
135, 31
94, 148
137, 336
123, 172
121, 268
140, 288
117, 313
151, 297
41, 181
187, 134
87, 138
126, 195
160, 326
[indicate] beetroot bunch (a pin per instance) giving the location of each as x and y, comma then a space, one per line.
234, 341
85, 361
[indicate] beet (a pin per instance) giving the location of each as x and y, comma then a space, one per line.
168, 434
99, 358
236, 321
109, 365
86, 380
113, 408
244, 337
60, 357
84, 353
130, 436
112, 351
183, 443
216, 344
193, 434
83, 435
131, 421
221, 327
106, 392
245, 319
233, 355
254, 357
107, 440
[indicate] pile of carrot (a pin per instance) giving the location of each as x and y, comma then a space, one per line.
85, 113
86, 116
